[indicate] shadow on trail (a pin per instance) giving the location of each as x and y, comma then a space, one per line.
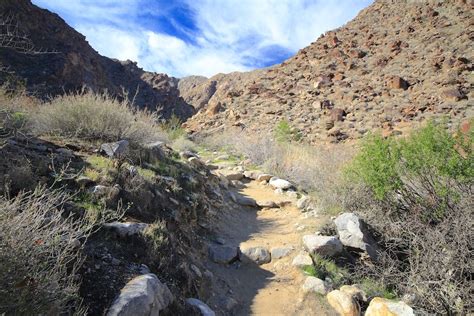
240, 280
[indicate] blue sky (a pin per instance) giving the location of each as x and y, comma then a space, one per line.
203, 37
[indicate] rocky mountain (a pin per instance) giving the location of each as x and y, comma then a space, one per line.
50, 58
396, 64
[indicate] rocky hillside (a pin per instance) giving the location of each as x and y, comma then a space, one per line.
396, 64
55, 58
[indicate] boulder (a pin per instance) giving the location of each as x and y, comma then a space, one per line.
203, 308
126, 229
383, 307
223, 254
353, 233
259, 255
327, 246
343, 303
315, 285
144, 295
302, 260
278, 183
116, 149
280, 252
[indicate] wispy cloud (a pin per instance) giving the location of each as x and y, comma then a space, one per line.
202, 37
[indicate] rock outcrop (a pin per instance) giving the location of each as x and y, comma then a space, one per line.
396, 64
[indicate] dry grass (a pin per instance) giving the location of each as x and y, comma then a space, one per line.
91, 116
313, 169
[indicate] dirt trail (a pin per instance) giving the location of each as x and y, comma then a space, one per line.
273, 288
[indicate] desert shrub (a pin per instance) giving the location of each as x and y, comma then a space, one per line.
313, 168
173, 128
92, 117
40, 253
285, 133
182, 143
416, 193
156, 235
14, 106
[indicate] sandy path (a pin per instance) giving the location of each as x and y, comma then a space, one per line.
273, 288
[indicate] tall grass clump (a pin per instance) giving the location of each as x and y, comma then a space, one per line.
417, 193
97, 117
40, 254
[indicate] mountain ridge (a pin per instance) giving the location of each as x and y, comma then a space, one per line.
396, 64
61, 60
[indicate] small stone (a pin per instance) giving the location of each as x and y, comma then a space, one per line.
343, 303
322, 245
302, 260
355, 292
278, 183
397, 83
264, 177
383, 307
315, 285
259, 255
115, 150
280, 252
253, 174
268, 204
127, 228
223, 254
203, 308
302, 203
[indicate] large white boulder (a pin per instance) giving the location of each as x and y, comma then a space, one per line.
353, 233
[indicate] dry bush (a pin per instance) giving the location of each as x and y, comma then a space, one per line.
14, 106
40, 253
313, 168
91, 116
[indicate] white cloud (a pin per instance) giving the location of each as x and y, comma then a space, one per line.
230, 35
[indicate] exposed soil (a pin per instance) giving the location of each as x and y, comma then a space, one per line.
273, 288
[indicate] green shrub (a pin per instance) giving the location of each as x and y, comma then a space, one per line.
284, 133
420, 170
173, 128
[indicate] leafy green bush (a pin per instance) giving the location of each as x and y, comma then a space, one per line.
284, 133
420, 170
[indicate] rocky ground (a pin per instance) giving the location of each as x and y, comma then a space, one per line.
398, 63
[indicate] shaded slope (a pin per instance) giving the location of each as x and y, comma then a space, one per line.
67, 62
